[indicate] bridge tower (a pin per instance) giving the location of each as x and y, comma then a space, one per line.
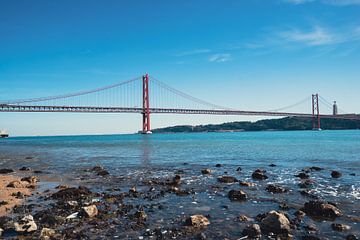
146, 106
315, 112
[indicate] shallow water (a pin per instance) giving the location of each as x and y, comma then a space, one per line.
142, 157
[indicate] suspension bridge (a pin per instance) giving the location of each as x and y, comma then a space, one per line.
147, 95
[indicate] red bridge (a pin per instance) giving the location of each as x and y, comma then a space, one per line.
133, 96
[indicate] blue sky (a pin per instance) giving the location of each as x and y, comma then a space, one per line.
254, 54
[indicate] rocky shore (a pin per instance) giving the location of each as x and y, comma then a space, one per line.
184, 202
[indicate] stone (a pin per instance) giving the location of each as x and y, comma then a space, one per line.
275, 222
31, 179
89, 211
272, 165
26, 224
6, 171
141, 215
62, 187
243, 218
24, 169
313, 168
103, 173
340, 227
206, 171
237, 195
335, 174
177, 180
351, 237
299, 214
307, 183
16, 184
252, 231
247, 184
227, 179
47, 233
218, 165
259, 174
238, 169
302, 175
198, 221
275, 189
72, 193
311, 228
321, 209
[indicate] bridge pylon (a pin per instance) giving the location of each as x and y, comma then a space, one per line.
146, 106
316, 112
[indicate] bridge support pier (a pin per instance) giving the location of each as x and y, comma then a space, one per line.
316, 112
146, 106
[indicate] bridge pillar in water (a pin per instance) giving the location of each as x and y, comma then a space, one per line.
146, 106
315, 112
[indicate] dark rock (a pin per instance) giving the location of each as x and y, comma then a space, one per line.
308, 194
275, 222
259, 175
284, 207
72, 193
141, 215
177, 180
335, 174
275, 189
237, 195
6, 171
238, 169
313, 168
351, 237
272, 165
97, 169
24, 169
227, 179
206, 171
340, 227
218, 165
311, 228
352, 174
302, 175
38, 171
252, 231
306, 183
103, 173
321, 209
299, 214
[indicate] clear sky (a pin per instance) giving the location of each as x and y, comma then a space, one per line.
255, 54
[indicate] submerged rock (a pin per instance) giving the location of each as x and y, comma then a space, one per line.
275, 222
198, 221
238, 169
218, 165
26, 224
272, 165
335, 174
89, 211
259, 174
321, 209
252, 231
340, 227
275, 189
6, 171
314, 168
302, 175
24, 169
237, 195
227, 179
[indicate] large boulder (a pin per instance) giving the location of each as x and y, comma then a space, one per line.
335, 174
237, 195
276, 223
26, 224
321, 209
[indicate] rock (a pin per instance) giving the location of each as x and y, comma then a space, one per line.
259, 175
227, 179
252, 231
299, 214
72, 193
340, 227
31, 180
284, 206
218, 165
351, 237
6, 171
313, 168
89, 211
272, 165
26, 224
352, 174
73, 215
47, 233
321, 209
335, 174
302, 175
275, 222
311, 228
307, 183
62, 187
103, 173
38, 171
141, 215
243, 218
237, 195
206, 171
275, 189
247, 184
177, 180
16, 184
133, 190
24, 169
97, 169
238, 169
198, 221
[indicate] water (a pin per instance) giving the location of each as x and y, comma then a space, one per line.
142, 157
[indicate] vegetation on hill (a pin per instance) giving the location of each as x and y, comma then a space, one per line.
282, 124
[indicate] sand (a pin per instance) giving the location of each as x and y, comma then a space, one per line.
7, 200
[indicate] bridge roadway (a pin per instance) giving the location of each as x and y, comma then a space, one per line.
89, 109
